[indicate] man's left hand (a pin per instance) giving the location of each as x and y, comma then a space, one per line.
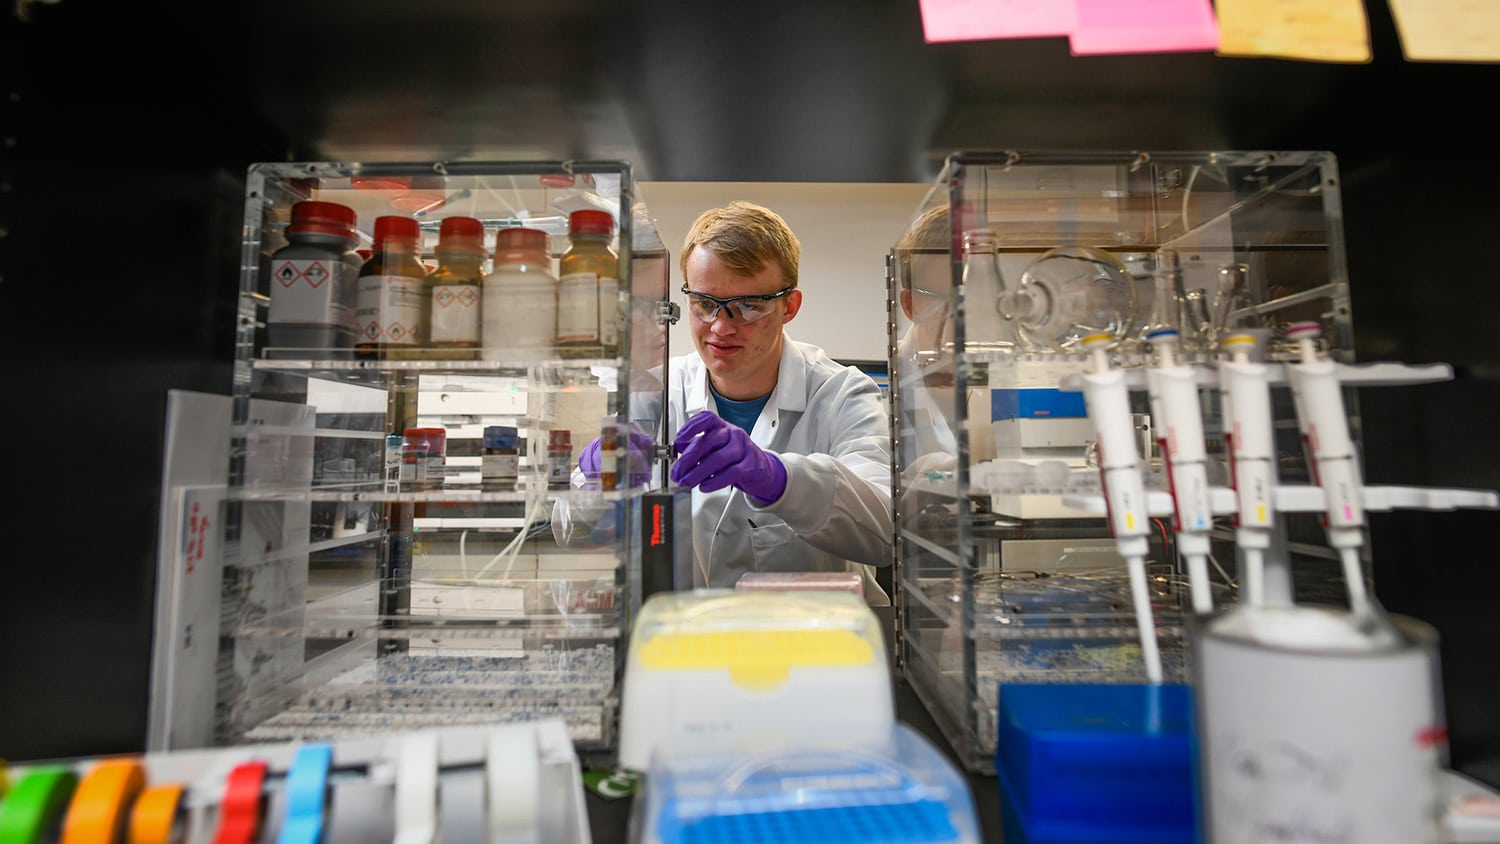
714, 454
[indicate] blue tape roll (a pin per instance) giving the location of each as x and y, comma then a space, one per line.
306, 795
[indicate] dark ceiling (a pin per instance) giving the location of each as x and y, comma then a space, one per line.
776, 90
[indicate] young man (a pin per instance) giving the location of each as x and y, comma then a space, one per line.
787, 452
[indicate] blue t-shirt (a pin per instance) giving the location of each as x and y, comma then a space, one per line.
740, 413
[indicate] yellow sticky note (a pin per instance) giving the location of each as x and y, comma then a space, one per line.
1448, 30
1316, 30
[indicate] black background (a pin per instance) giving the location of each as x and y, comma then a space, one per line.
128, 129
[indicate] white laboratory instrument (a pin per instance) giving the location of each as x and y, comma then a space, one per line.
1108, 400
1311, 727
1330, 455
1245, 388
1178, 419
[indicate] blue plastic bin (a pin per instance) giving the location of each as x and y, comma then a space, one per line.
1096, 763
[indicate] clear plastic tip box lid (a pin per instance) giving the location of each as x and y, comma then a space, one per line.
899, 791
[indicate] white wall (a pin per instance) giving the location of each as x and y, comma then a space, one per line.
845, 229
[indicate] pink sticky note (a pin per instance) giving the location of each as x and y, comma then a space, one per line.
1143, 26
980, 20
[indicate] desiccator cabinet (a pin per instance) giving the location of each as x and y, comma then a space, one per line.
999, 575
341, 599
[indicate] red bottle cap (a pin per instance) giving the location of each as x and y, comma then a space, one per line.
514, 246
588, 221
461, 234
560, 438
314, 217
396, 230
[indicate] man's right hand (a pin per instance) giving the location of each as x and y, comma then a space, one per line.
641, 455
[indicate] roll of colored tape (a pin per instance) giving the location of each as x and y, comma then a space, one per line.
157, 816
34, 804
306, 795
241, 808
417, 818
102, 803
512, 773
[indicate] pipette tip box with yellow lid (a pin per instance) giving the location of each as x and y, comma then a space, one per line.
741, 670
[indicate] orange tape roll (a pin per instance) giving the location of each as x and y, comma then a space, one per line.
156, 816
102, 802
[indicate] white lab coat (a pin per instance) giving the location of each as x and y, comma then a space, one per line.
828, 424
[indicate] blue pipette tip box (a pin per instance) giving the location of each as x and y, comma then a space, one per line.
1096, 763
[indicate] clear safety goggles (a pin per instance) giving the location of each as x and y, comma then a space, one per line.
747, 308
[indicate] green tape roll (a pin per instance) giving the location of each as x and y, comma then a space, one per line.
34, 804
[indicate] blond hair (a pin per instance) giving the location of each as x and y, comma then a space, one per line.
746, 237
932, 232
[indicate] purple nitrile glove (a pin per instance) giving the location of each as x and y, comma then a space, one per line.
713, 454
642, 449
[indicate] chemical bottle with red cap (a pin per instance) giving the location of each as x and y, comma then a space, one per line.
394, 293
588, 300
457, 283
519, 303
313, 279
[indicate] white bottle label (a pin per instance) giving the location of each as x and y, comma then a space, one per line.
502, 468
455, 314
389, 309
311, 292
609, 311
578, 308
559, 466
432, 469
519, 312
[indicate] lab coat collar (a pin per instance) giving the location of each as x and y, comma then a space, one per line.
790, 392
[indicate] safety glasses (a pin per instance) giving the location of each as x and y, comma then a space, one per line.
747, 308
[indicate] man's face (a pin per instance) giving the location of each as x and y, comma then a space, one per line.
742, 358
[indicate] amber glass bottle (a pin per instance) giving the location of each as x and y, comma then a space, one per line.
394, 295
588, 275
457, 284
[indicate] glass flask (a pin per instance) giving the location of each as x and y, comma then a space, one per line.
1233, 308
1166, 301
986, 327
1068, 293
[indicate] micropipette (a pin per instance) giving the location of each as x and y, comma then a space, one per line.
1178, 419
1108, 402
1246, 390
1330, 455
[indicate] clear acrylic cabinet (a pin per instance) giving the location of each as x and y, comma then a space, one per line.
353, 601
999, 575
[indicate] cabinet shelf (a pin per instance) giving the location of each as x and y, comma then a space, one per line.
439, 362
436, 496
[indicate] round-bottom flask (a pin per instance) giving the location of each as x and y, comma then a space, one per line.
1067, 294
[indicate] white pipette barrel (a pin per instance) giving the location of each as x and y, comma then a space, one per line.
1245, 385
1178, 420
1108, 401
1325, 435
